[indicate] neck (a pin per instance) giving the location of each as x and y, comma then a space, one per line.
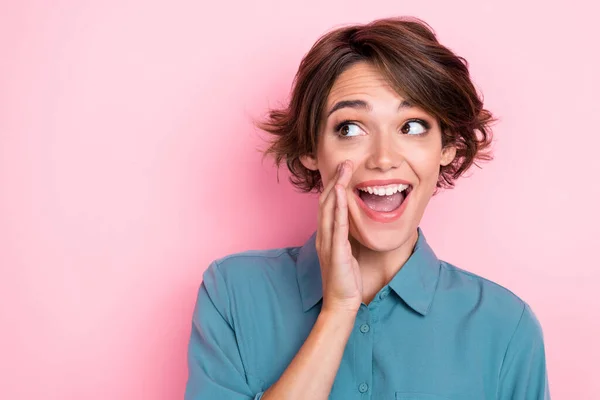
379, 267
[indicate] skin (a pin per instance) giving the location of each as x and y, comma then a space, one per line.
383, 145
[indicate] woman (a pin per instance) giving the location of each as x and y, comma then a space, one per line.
381, 116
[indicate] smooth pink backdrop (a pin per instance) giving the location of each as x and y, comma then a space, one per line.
128, 162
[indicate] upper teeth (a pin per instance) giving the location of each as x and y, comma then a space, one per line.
384, 190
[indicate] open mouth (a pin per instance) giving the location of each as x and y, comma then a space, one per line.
384, 199
383, 203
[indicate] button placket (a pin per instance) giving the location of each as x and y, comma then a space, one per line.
364, 351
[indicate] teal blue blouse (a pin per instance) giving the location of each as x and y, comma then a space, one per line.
433, 332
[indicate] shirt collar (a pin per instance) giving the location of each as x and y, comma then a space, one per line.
415, 282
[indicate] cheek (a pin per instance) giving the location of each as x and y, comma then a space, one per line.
426, 164
329, 158
327, 172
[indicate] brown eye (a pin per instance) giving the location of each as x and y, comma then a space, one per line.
416, 127
348, 130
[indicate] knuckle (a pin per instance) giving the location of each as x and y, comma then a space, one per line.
341, 223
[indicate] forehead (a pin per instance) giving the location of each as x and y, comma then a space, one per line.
361, 80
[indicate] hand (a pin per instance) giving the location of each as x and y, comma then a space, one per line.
342, 282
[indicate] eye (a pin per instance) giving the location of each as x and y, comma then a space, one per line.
415, 127
348, 129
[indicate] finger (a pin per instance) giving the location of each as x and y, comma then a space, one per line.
327, 210
340, 231
344, 179
322, 199
330, 202
329, 186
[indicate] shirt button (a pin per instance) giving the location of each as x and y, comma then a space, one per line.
363, 387
364, 328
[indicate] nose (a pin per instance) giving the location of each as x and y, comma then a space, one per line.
384, 153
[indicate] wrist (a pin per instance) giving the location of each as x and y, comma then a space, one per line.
338, 313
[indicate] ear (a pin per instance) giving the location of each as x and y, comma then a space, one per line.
309, 162
448, 155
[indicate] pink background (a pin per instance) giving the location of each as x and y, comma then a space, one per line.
128, 161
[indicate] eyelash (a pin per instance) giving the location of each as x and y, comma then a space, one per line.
339, 126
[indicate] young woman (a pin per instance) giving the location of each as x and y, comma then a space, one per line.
381, 116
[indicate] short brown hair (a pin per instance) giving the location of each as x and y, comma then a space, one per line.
424, 72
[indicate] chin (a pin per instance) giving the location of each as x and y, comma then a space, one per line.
381, 237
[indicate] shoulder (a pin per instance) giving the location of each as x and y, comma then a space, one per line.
252, 271
495, 304
253, 263
248, 287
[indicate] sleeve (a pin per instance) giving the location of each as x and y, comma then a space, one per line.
215, 369
523, 374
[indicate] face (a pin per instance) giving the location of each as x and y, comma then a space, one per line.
391, 144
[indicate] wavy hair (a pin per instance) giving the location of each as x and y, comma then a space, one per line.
427, 74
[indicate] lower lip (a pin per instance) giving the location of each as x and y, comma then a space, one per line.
383, 217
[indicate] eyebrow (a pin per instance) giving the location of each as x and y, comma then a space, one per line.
361, 104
